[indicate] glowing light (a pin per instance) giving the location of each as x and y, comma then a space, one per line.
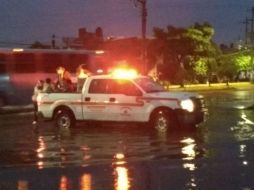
99, 71
189, 166
86, 182
82, 74
124, 73
120, 159
63, 183
40, 155
40, 164
122, 182
187, 105
60, 70
240, 107
119, 156
191, 184
188, 141
40, 151
245, 163
98, 52
242, 150
17, 50
246, 120
189, 149
22, 185
87, 157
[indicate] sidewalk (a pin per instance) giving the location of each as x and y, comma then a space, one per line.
213, 86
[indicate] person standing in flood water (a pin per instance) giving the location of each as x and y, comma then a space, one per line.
37, 89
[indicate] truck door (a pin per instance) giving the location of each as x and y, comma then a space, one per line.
113, 100
124, 101
94, 105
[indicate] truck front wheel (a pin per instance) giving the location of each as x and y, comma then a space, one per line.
64, 119
162, 120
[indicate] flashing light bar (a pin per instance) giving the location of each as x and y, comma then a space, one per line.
124, 73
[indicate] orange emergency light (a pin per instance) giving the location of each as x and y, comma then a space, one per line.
124, 73
60, 71
83, 74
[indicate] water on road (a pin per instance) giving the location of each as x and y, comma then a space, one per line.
218, 155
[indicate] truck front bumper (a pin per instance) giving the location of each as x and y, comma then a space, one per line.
191, 118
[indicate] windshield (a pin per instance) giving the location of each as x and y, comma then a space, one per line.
149, 85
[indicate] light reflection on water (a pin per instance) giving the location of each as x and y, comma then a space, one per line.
113, 146
86, 182
244, 129
136, 155
89, 147
121, 176
190, 151
244, 133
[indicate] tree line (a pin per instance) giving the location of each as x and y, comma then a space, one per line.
180, 55
189, 55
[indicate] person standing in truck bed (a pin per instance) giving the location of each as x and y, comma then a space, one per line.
48, 86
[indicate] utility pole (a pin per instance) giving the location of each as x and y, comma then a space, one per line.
53, 41
143, 4
246, 22
251, 34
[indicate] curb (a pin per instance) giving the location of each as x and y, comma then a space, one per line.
212, 86
16, 109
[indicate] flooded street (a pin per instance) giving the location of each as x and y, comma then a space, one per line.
218, 155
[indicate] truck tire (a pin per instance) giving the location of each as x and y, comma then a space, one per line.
64, 119
162, 120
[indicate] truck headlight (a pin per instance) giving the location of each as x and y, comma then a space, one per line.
187, 105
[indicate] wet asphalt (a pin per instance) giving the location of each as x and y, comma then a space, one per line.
219, 154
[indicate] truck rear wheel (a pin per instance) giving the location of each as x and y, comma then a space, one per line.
64, 119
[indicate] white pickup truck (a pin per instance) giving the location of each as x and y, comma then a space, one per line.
108, 98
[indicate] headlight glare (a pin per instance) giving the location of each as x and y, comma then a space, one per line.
187, 105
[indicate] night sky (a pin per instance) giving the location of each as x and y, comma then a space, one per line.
26, 21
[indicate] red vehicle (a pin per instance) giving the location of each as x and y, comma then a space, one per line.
21, 68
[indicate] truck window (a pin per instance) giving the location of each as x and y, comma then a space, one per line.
113, 86
149, 86
123, 87
98, 86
